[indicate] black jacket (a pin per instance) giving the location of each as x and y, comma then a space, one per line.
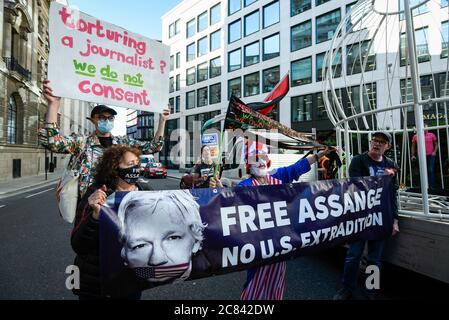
85, 242
360, 167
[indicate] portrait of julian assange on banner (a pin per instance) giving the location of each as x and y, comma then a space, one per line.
150, 238
96, 61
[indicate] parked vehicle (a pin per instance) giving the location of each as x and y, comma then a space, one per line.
155, 170
144, 160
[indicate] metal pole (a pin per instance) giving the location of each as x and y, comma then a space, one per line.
45, 164
315, 173
347, 147
419, 120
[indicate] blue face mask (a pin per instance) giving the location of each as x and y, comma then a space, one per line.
105, 126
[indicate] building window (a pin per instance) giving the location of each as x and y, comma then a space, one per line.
301, 71
422, 47
215, 40
215, 93
421, 42
215, 67
178, 60
271, 14
234, 31
443, 3
235, 87
301, 35
202, 46
252, 84
234, 6
319, 2
174, 29
12, 121
190, 100
190, 76
336, 65
271, 47
171, 30
248, 2
252, 54
177, 26
202, 72
403, 50
202, 21
234, 60
215, 14
172, 85
369, 98
326, 25
357, 54
270, 78
427, 91
171, 102
299, 6
302, 108
191, 28
321, 112
172, 63
178, 82
177, 103
445, 38
417, 11
191, 52
252, 23
349, 25
202, 97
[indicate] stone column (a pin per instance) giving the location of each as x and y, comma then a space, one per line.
7, 39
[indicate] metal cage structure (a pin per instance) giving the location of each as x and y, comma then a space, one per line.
387, 68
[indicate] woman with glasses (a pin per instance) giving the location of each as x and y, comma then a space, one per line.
86, 150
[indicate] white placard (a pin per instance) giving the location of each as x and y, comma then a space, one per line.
96, 61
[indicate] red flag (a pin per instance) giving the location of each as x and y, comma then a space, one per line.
279, 91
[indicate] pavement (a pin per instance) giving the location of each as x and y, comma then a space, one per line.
26, 184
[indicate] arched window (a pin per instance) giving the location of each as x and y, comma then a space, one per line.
12, 121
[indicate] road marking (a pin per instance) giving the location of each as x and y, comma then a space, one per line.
32, 195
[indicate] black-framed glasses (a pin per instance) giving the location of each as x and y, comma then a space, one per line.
382, 142
103, 118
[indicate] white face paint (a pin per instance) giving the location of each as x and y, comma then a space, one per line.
259, 169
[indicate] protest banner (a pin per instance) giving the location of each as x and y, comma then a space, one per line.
95, 61
240, 115
153, 238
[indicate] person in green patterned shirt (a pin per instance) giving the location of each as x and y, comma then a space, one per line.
86, 150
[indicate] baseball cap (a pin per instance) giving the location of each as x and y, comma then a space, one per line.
385, 134
102, 108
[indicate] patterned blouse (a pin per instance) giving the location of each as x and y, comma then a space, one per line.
86, 150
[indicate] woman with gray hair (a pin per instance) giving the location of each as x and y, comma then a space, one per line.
159, 233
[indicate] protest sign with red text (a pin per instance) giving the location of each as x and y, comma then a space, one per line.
96, 61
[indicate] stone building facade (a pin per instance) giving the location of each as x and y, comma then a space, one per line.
24, 46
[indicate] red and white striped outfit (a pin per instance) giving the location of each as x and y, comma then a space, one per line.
268, 282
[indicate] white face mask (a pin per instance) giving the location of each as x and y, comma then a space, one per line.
255, 170
259, 172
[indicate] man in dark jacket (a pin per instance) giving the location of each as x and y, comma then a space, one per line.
371, 163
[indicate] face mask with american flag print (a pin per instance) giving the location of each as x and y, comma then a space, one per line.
161, 273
